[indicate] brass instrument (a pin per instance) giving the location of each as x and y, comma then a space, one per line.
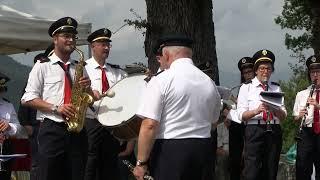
268, 127
79, 98
131, 167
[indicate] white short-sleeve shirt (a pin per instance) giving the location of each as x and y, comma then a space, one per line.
46, 81
183, 100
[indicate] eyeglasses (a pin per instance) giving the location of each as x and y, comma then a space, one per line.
315, 72
269, 69
68, 36
247, 72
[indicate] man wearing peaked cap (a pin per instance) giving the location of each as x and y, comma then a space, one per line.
263, 56
168, 146
9, 126
103, 148
245, 66
236, 130
263, 134
306, 108
49, 90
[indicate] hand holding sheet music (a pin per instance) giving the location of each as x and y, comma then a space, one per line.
274, 100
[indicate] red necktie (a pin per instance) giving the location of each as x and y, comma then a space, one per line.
264, 115
105, 84
316, 125
67, 85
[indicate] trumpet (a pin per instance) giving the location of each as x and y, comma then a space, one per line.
313, 85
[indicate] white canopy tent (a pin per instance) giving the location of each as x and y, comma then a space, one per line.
22, 33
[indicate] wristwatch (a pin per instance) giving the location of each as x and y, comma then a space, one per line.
54, 109
141, 163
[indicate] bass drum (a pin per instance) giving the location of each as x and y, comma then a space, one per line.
118, 112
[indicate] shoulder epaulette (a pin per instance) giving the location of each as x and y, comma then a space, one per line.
6, 100
147, 79
247, 82
275, 83
45, 60
114, 66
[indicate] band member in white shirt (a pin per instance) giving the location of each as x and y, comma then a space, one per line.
9, 126
62, 154
103, 147
263, 135
306, 109
178, 108
236, 130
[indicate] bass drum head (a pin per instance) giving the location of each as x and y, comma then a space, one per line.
117, 110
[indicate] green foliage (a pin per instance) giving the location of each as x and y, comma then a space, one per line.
297, 82
296, 15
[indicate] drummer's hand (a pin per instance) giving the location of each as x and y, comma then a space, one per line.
67, 110
4, 125
124, 153
85, 82
139, 172
96, 95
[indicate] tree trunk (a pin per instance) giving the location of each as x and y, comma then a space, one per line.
190, 17
315, 12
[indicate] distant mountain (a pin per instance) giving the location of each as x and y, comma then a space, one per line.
18, 75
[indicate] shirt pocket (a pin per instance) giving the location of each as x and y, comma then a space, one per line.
53, 84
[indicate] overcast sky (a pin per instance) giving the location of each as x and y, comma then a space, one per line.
241, 29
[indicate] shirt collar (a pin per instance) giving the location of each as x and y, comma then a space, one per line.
2, 101
94, 63
257, 83
55, 59
180, 61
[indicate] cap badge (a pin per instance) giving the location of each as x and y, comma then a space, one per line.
313, 59
243, 60
264, 52
105, 31
2, 81
69, 21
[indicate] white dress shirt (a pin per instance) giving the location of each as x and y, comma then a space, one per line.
8, 113
249, 99
300, 103
46, 81
95, 74
183, 100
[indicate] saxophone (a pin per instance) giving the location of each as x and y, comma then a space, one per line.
79, 98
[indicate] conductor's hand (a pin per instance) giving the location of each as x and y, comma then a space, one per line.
139, 172
85, 82
67, 110
4, 125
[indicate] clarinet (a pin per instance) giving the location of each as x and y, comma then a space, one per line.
313, 85
131, 167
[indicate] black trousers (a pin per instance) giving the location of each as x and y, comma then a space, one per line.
62, 155
34, 153
236, 142
6, 149
102, 154
308, 153
180, 159
262, 152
